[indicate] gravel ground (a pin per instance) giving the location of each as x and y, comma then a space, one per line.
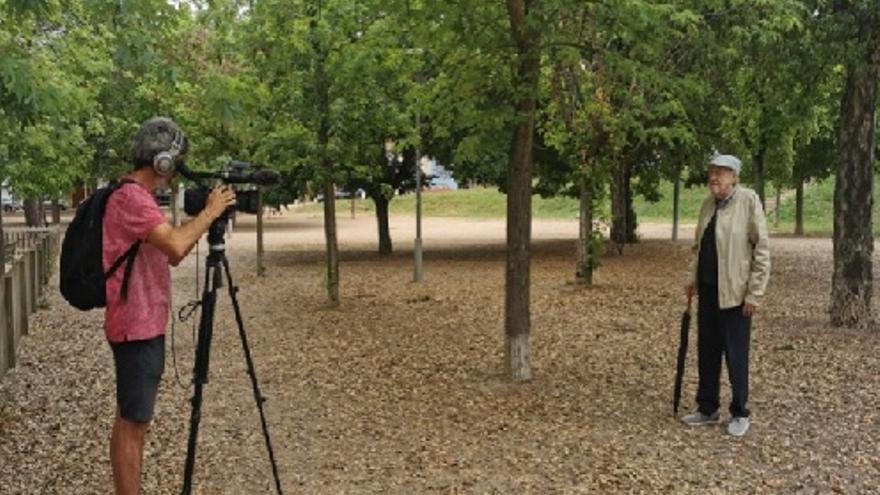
400, 389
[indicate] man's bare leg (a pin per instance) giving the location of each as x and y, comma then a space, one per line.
126, 454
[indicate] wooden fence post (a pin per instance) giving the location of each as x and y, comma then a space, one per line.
23, 283
28, 282
19, 299
7, 327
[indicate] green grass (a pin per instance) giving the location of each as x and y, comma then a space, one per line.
468, 203
661, 211
489, 203
818, 210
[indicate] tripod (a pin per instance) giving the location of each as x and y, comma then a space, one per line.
216, 263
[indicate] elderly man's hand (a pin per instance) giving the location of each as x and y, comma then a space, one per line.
748, 310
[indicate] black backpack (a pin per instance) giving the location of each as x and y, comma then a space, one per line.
83, 281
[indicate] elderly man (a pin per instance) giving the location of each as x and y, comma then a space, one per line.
729, 273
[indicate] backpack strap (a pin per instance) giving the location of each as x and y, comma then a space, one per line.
129, 256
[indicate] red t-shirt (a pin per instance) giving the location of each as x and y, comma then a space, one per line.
132, 213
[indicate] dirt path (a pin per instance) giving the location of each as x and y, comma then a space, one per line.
399, 390
292, 228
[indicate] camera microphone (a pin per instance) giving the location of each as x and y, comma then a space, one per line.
183, 170
259, 176
265, 177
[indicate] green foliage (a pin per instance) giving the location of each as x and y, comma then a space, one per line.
47, 61
468, 94
329, 82
146, 54
655, 86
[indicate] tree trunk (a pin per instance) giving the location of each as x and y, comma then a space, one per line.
418, 268
632, 223
261, 267
618, 208
676, 205
623, 223
323, 111
330, 237
517, 318
382, 219
2, 246
33, 214
332, 247
799, 208
56, 212
758, 159
586, 254
852, 282
778, 206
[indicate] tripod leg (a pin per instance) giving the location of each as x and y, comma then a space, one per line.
258, 397
213, 279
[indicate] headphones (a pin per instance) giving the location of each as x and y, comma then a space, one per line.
164, 163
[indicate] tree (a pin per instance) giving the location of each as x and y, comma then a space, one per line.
526, 36
814, 159
384, 108
310, 56
381, 178
852, 281
573, 133
815, 91
48, 59
755, 74
488, 58
144, 76
629, 86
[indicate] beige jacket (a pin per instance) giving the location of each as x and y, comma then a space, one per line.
743, 248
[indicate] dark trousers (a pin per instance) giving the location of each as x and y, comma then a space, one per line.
722, 332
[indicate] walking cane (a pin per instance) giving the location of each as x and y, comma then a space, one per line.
682, 353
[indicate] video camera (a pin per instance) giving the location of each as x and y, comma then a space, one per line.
236, 173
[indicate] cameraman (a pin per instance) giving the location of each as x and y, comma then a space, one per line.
135, 317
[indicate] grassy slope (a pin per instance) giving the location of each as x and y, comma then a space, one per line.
489, 203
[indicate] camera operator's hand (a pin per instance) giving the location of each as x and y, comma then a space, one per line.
220, 198
176, 242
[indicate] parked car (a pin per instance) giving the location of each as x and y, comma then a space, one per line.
47, 205
11, 205
341, 194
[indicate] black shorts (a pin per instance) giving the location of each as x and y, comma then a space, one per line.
139, 367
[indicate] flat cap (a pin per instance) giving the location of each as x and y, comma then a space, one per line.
727, 161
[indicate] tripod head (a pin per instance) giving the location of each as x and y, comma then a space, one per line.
216, 233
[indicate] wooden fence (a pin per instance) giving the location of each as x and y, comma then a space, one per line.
29, 258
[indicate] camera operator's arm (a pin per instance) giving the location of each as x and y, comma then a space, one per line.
176, 242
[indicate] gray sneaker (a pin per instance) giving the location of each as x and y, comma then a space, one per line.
699, 419
738, 426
